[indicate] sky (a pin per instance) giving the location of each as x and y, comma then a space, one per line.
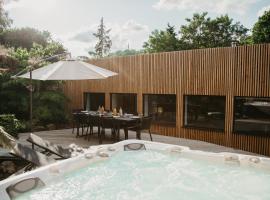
73, 22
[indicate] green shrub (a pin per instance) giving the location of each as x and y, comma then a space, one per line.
50, 108
11, 125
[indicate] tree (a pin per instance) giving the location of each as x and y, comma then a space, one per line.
14, 96
24, 37
261, 29
162, 41
204, 32
126, 52
199, 32
5, 21
194, 34
37, 51
48, 99
104, 42
224, 31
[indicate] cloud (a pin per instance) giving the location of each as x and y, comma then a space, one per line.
9, 1
10, 4
130, 33
132, 26
83, 35
262, 10
239, 7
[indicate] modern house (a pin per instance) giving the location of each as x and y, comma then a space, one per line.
217, 95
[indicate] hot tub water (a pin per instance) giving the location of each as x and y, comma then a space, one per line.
130, 175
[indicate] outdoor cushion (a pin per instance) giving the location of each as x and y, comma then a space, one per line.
30, 155
49, 146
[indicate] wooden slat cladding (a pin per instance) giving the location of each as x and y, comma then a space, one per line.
230, 72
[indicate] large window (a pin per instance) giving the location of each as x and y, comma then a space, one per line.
161, 106
127, 101
204, 111
93, 100
252, 115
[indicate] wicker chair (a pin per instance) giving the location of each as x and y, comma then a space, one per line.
81, 121
93, 121
106, 123
145, 125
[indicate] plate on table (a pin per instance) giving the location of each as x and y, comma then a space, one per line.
135, 117
116, 116
128, 115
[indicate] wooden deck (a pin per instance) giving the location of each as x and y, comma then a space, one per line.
65, 138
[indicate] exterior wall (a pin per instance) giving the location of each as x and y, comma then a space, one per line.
232, 71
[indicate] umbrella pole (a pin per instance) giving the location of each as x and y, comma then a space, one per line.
31, 84
31, 101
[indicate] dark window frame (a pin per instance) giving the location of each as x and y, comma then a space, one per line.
169, 124
136, 99
102, 93
233, 124
220, 130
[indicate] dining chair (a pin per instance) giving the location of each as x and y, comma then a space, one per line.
81, 121
93, 121
144, 125
74, 112
106, 123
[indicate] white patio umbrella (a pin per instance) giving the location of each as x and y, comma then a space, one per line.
69, 70
64, 70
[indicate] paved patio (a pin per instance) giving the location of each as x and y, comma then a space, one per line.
65, 137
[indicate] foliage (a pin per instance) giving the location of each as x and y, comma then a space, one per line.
104, 42
14, 97
261, 29
36, 52
217, 32
199, 32
6, 61
28, 44
49, 102
50, 107
53, 48
24, 37
126, 52
162, 41
204, 32
10, 124
21, 55
5, 21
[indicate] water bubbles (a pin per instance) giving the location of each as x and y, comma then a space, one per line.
103, 154
254, 160
88, 155
158, 175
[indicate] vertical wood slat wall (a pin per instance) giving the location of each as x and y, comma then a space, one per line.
230, 72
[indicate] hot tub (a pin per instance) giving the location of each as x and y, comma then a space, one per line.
136, 169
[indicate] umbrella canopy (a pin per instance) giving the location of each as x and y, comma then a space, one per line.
69, 70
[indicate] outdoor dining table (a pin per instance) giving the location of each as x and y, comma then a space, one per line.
118, 122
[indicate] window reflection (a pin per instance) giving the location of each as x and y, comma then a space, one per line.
205, 111
93, 100
161, 106
252, 115
127, 101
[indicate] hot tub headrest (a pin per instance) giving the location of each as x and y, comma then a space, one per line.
23, 186
134, 147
